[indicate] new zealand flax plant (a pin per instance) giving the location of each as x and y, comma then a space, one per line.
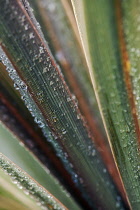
69, 69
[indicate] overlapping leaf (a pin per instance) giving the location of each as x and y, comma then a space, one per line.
54, 105
23, 181
103, 39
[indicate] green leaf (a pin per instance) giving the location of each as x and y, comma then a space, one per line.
11, 197
67, 51
100, 28
36, 68
24, 182
18, 154
26, 130
129, 18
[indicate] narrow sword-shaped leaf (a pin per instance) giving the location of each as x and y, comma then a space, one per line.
31, 187
68, 54
101, 39
23, 126
58, 111
18, 154
129, 19
11, 197
40, 120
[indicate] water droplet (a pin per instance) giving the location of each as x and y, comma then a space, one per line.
14, 181
21, 144
41, 49
16, 86
78, 116
104, 170
26, 26
117, 204
93, 152
68, 99
26, 192
45, 69
64, 131
51, 7
51, 82
121, 131
60, 56
54, 119
31, 35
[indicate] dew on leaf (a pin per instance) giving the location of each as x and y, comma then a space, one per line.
31, 35
64, 131
45, 69
68, 99
51, 82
